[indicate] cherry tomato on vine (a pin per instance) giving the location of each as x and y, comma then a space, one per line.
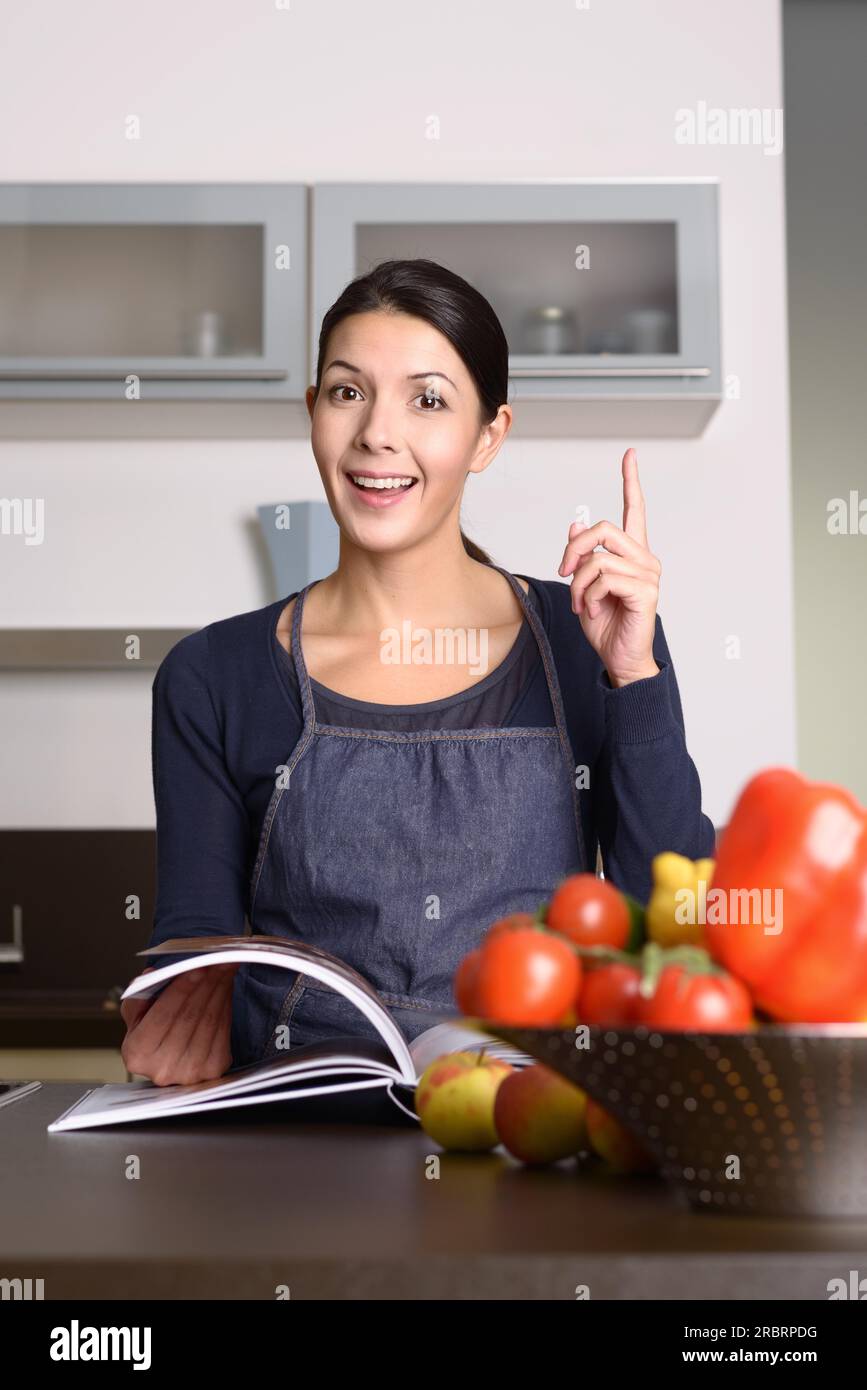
704, 1002
526, 977
590, 912
608, 995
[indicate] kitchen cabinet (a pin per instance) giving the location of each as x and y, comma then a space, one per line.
608, 291
67, 946
153, 292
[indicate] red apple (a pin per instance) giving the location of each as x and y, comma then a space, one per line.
539, 1115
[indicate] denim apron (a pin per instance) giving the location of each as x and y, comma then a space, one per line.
395, 852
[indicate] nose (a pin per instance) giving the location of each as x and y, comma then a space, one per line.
377, 431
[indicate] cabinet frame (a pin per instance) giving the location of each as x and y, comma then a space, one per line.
685, 387
278, 373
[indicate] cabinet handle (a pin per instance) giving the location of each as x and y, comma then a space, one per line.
608, 371
12, 952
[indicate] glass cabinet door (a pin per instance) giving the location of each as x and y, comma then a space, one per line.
606, 291
197, 291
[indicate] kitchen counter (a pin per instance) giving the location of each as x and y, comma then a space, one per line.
332, 1198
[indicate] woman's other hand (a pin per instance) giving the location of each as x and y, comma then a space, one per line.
183, 1035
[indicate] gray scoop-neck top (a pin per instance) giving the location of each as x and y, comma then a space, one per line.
494, 700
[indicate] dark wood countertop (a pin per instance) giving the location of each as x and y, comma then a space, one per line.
231, 1206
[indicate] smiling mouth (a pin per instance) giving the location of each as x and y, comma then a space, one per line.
396, 482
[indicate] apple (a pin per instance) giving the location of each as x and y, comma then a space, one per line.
454, 1099
616, 1144
540, 1115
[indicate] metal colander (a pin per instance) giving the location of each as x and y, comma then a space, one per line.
769, 1123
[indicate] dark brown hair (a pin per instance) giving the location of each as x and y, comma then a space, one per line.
449, 303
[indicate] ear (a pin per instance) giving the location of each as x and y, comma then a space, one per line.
490, 439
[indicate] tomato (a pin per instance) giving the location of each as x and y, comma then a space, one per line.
526, 977
704, 1002
510, 923
465, 983
465, 975
608, 995
590, 912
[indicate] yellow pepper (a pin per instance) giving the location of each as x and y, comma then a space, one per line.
670, 907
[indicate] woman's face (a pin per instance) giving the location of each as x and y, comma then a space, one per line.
396, 403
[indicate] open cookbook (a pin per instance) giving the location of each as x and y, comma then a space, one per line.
324, 1068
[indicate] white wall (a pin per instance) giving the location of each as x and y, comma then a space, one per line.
157, 532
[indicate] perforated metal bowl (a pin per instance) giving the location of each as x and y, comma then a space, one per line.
770, 1123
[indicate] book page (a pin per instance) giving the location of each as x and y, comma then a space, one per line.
289, 954
92, 1111
347, 1063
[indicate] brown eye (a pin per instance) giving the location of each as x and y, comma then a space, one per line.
343, 388
431, 398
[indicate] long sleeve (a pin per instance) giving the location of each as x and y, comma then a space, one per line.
202, 823
645, 788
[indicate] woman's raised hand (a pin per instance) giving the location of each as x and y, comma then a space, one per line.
615, 590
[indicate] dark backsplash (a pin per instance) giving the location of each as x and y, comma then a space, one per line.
79, 946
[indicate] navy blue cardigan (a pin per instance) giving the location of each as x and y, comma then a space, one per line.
224, 719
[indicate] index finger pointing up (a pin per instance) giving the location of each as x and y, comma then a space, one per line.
634, 516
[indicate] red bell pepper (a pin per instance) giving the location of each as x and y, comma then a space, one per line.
802, 949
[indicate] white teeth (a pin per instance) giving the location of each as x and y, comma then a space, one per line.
381, 482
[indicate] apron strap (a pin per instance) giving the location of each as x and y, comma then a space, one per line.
549, 666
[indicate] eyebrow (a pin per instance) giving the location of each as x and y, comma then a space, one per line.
416, 376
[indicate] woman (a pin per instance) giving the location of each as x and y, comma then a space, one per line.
321, 768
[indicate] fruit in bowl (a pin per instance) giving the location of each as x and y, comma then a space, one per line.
674, 909
589, 911
730, 1048
522, 974
609, 994
682, 988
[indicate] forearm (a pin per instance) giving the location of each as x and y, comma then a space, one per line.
201, 818
646, 789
